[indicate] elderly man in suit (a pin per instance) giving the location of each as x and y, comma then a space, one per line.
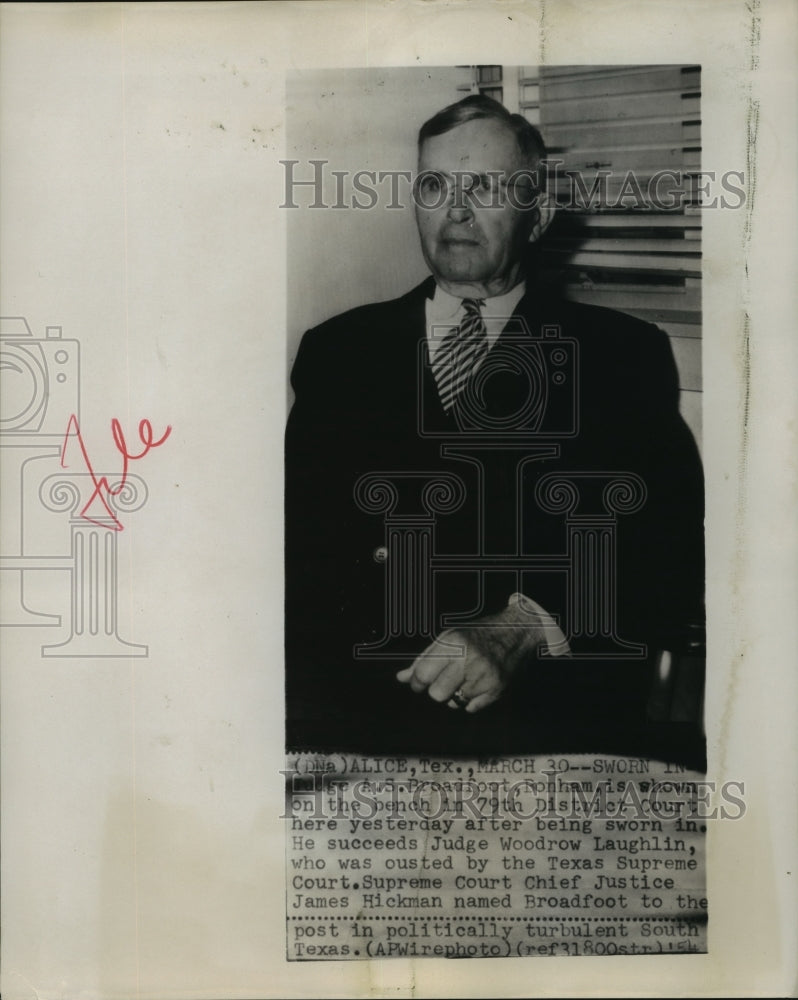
494, 512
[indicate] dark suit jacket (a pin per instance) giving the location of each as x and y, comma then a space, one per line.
366, 403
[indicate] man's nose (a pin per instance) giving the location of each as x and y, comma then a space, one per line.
460, 207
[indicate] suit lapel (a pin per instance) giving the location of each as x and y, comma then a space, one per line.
431, 416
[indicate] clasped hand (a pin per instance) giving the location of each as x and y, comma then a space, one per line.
474, 663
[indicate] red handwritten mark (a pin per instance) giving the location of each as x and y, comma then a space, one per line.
102, 488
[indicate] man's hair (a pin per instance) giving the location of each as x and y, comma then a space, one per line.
475, 106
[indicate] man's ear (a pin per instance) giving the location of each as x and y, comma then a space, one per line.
544, 212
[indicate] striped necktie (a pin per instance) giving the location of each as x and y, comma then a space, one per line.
461, 350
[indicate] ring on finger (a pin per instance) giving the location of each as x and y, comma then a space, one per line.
460, 699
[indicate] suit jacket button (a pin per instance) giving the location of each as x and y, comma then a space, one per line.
381, 554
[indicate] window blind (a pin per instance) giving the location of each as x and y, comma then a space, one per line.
624, 148
624, 151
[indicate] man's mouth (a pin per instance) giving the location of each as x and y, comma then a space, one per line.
468, 241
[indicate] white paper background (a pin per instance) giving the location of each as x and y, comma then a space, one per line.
142, 854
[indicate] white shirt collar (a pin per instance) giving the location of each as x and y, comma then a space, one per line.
444, 311
444, 307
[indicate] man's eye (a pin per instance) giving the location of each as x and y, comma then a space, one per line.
484, 188
432, 190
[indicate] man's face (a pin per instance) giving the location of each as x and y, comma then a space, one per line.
473, 248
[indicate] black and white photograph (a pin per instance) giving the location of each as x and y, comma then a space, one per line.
397, 509
494, 507
494, 498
